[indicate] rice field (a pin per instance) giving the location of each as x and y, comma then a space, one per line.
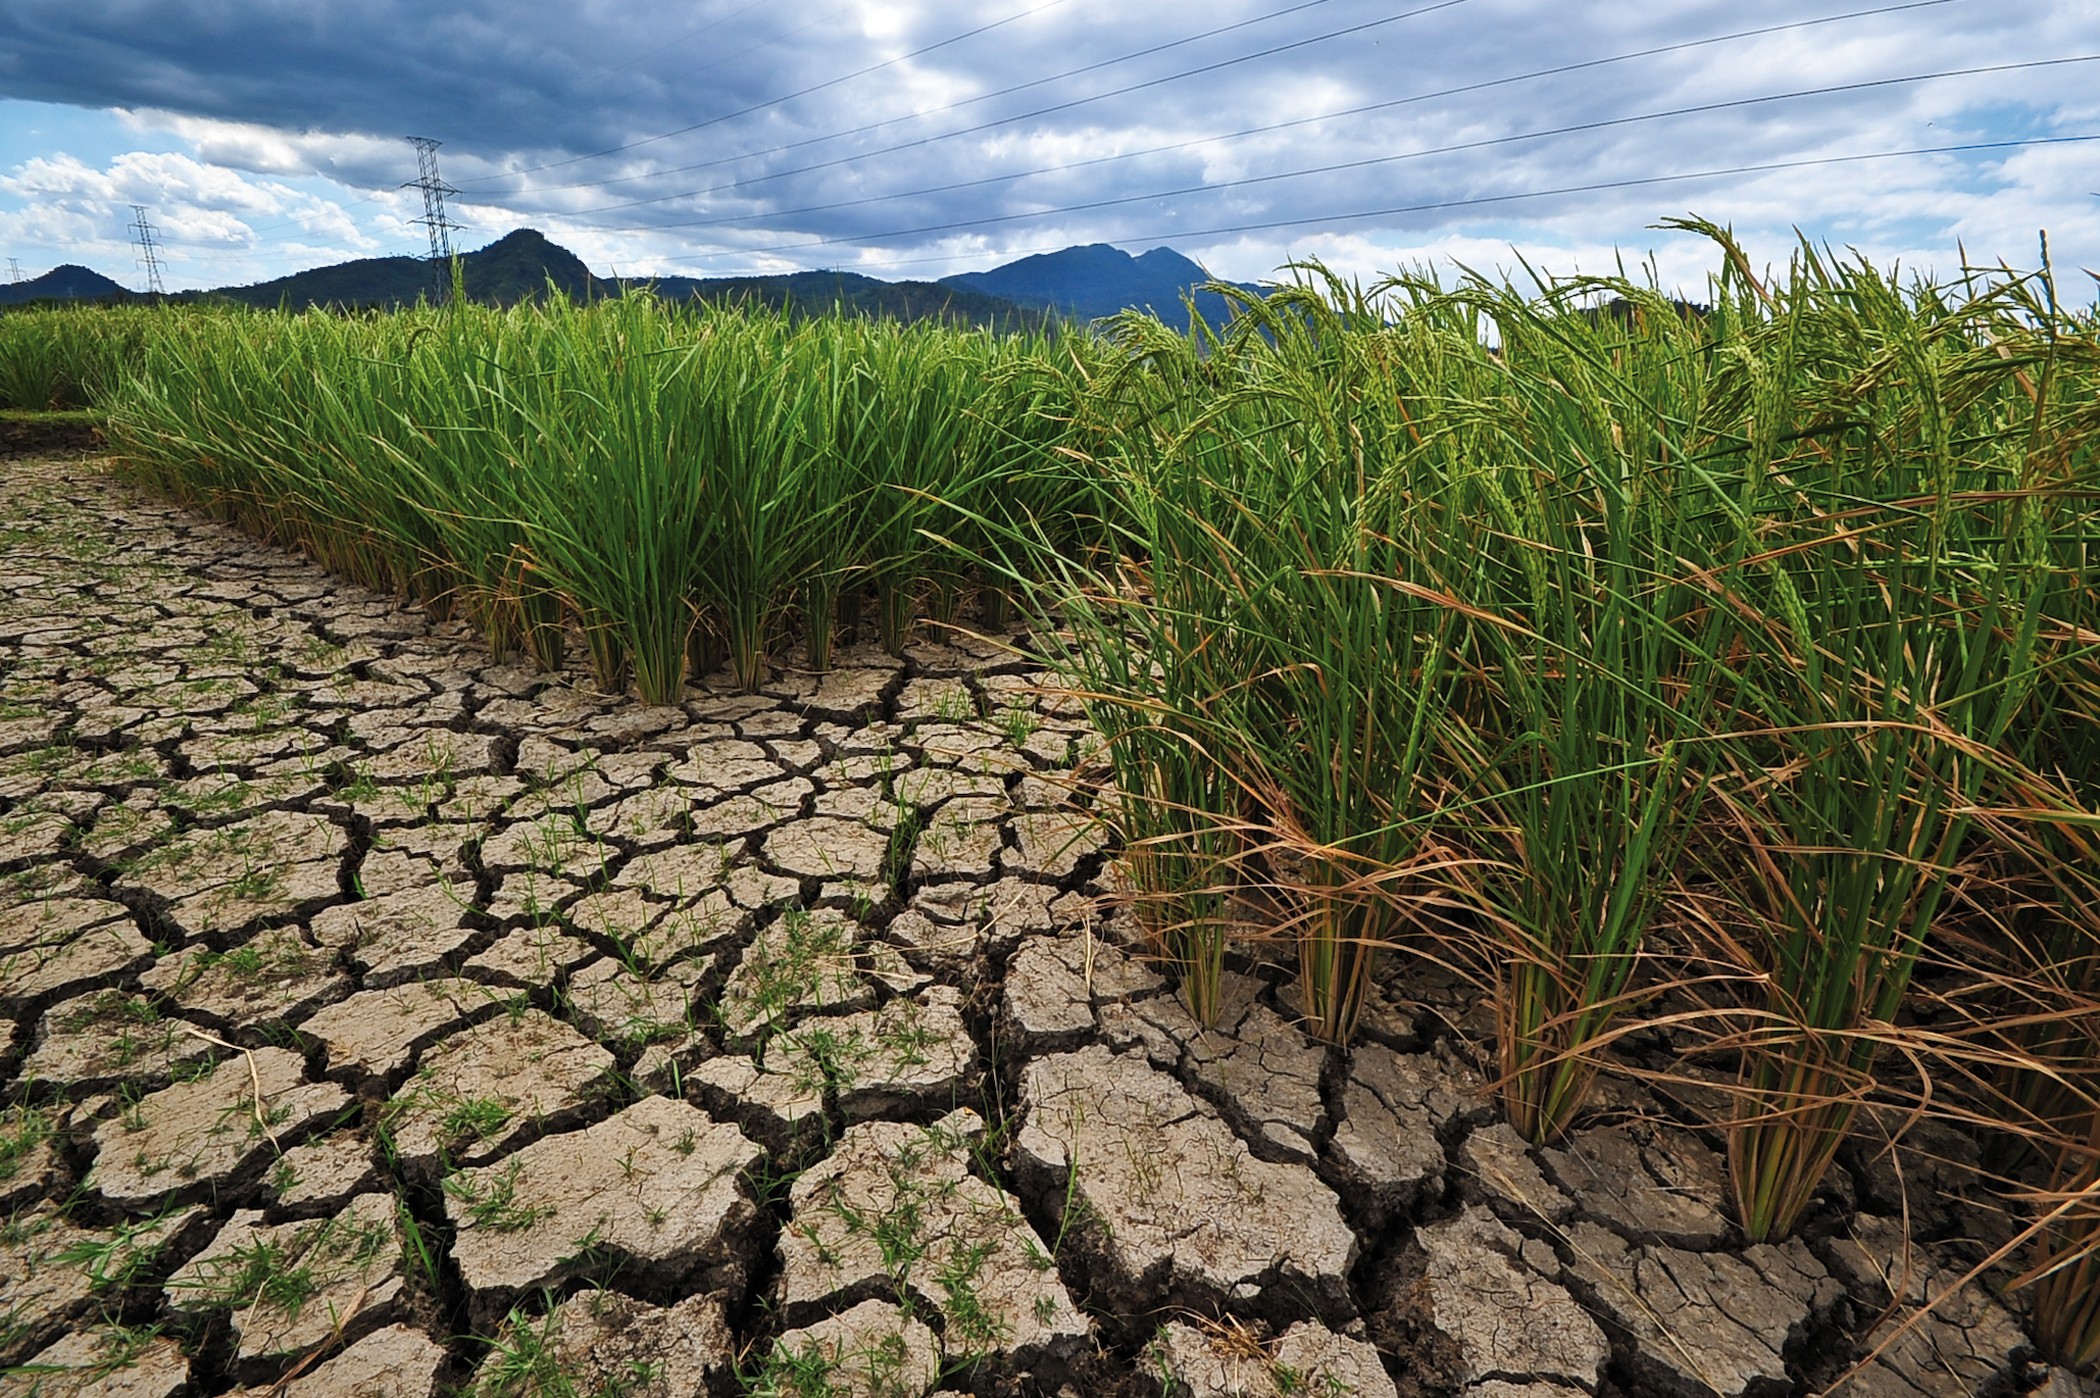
1723, 678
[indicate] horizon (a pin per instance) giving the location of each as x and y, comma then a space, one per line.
910, 141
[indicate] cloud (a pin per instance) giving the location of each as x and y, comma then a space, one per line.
747, 136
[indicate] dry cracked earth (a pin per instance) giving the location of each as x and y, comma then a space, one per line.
388, 1021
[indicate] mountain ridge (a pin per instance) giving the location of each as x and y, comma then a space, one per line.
1083, 282
66, 282
1092, 280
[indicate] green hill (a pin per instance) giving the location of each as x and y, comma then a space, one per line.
516, 267
822, 293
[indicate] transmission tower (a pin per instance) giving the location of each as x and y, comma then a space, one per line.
14, 271
149, 256
434, 218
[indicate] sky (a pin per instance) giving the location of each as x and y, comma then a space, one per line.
910, 139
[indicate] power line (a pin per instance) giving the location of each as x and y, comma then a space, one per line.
142, 232
1435, 206
1025, 116
1416, 98
1214, 185
777, 101
1436, 95
960, 103
434, 218
872, 126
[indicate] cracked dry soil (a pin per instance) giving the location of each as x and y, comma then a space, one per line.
388, 1021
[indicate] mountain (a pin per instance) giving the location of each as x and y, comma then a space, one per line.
820, 293
1099, 280
516, 267
1079, 283
67, 283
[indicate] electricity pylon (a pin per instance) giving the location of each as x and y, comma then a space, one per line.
434, 217
149, 256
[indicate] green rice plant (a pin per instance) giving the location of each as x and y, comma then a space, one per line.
1569, 746
53, 359
1295, 641
902, 424
610, 458
779, 492
1887, 599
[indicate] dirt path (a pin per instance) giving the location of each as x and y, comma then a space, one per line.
395, 1022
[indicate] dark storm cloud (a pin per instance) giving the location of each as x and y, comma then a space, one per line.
558, 114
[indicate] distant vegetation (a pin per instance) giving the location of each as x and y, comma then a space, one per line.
1728, 676
1077, 284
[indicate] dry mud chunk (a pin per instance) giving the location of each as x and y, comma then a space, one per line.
907, 1056
969, 747
208, 1132
1703, 1323
649, 819
1267, 1075
613, 1003
781, 1105
1045, 1002
804, 962
821, 847
433, 753
922, 788
660, 1189
400, 936
1500, 1171
679, 873
895, 1213
29, 1160
1310, 1361
1397, 1110
775, 722
379, 1032
637, 723
962, 841
552, 845
479, 1092
1171, 1202
85, 958
105, 1362
348, 1269
724, 766
1929, 1173
272, 978
1964, 1345
1053, 844
383, 872
444, 843
225, 878
393, 1362
478, 799
851, 695
945, 699
866, 804
871, 1351
654, 934
530, 956
760, 809
322, 1174
1646, 1183
1003, 912
51, 921
92, 1042
604, 1343
1491, 1299
43, 1285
